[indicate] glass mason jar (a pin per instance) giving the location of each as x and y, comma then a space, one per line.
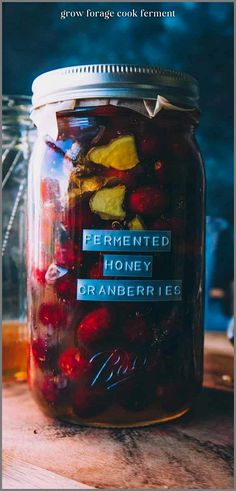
17, 138
116, 245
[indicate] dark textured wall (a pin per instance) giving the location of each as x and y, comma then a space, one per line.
198, 40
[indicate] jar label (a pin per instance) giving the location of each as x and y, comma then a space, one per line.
129, 290
127, 265
127, 240
139, 266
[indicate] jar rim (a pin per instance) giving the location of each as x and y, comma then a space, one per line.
115, 81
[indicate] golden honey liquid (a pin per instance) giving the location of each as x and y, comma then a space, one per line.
14, 350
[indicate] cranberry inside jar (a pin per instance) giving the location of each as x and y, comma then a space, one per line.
115, 262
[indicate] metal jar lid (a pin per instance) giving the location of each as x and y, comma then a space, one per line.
115, 81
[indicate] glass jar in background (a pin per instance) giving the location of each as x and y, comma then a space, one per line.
116, 245
17, 139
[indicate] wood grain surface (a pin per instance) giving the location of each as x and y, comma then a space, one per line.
194, 452
21, 475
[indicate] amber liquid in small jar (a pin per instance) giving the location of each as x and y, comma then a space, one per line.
127, 353
14, 350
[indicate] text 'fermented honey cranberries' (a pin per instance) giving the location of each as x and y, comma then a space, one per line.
73, 364
95, 326
148, 201
53, 315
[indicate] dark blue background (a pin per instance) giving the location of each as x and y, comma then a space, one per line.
198, 40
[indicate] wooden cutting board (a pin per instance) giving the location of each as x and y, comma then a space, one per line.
193, 452
18, 474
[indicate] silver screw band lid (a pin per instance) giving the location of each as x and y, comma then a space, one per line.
115, 81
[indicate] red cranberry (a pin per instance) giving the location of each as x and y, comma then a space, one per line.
148, 201
49, 390
39, 275
136, 330
52, 314
66, 288
55, 388
43, 353
89, 401
39, 350
68, 255
73, 364
95, 326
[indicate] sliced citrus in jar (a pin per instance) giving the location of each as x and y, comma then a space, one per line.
120, 153
136, 224
86, 185
108, 203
